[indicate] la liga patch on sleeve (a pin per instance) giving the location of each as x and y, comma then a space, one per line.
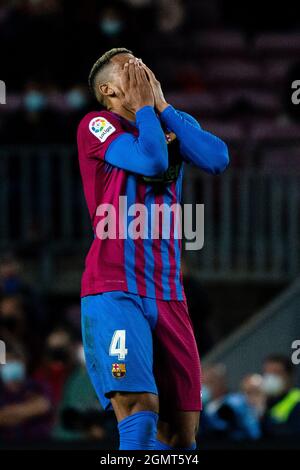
101, 128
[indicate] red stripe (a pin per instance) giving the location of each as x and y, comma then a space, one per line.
172, 259
139, 247
156, 248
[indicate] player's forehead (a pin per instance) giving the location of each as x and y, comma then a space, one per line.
120, 59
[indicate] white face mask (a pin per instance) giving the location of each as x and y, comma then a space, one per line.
205, 394
13, 371
80, 355
273, 385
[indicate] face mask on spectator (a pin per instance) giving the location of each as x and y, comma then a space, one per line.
80, 355
34, 101
13, 371
111, 27
206, 394
76, 99
273, 385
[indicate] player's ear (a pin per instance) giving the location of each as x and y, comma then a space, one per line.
106, 90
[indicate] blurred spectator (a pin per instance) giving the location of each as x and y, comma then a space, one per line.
170, 15
282, 417
57, 363
80, 413
111, 28
20, 305
252, 388
25, 407
12, 283
111, 22
226, 415
15, 325
12, 319
76, 103
9, 274
38, 122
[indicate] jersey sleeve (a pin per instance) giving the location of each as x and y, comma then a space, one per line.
102, 136
96, 132
199, 147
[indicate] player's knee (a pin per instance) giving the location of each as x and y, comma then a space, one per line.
126, 404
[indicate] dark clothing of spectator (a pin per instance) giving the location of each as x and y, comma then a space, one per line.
282, 417
53, 377
36, 428
229, 417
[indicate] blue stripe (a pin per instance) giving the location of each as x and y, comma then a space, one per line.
149, 257
129, 245
165, 245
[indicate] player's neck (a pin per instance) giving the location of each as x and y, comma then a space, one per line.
121, 111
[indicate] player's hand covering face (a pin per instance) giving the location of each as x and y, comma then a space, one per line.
136, 89
159, 99
160, 102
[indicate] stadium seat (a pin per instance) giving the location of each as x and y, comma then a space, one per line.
200, 102
281, 160
270, 130
272, 43
235, 70
220, 42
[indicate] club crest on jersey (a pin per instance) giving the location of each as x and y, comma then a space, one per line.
118, 370
101, 128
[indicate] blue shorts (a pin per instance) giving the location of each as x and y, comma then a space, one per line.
137, 344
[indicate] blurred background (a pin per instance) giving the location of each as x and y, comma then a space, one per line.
229, 64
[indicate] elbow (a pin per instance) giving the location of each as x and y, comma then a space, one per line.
158, 160
161, 164
157, 167
221, 160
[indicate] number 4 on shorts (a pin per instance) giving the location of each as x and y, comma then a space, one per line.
118, 345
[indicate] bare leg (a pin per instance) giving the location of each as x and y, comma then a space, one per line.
179, 429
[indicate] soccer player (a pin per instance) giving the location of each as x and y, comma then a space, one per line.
140, 350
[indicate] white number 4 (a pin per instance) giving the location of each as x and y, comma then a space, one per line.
117, 345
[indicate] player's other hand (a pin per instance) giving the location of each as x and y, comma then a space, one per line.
137, 90
159, 99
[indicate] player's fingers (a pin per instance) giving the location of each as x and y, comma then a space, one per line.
138, 75
132, 75
144, 76
149, 72
151, 77
142, 80
125, 77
